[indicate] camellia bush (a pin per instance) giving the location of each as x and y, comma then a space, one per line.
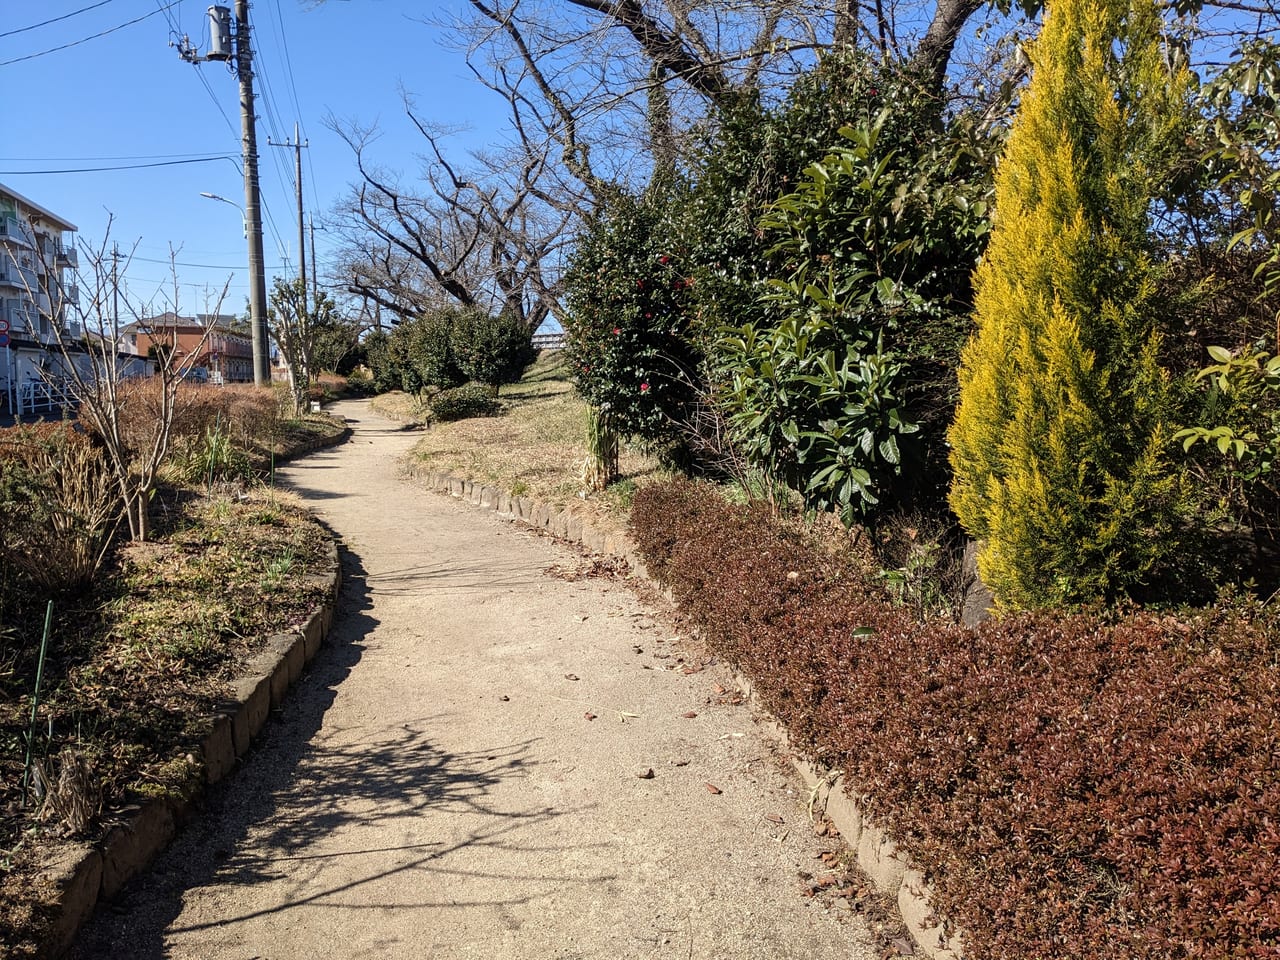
627, 324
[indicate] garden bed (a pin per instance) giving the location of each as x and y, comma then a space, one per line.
1072, 784
137, 663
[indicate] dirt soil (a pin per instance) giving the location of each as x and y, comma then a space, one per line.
499, 753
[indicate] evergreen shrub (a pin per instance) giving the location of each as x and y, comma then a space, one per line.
1075, 786
492, 349
462, 403
626, 329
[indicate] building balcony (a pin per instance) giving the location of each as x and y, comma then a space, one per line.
67, 258
16, 277
12, 230
22, 320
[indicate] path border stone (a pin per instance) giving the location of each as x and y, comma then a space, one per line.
892, 873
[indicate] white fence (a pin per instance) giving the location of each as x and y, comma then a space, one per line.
549, 341
36, 396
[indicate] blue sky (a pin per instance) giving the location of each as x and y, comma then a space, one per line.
126, 98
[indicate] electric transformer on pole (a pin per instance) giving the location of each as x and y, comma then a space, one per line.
230, 46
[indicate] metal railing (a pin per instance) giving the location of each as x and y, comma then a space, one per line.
35, 396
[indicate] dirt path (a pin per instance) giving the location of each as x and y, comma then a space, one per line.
435, 787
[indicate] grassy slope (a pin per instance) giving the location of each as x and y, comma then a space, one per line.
535, 448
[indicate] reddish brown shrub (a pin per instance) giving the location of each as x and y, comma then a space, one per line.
1076, 785
245, 412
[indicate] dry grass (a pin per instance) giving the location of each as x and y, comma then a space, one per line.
535, 447
401, 406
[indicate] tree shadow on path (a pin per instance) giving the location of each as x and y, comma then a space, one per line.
273, 822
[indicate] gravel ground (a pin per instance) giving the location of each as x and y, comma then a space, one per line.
493, 756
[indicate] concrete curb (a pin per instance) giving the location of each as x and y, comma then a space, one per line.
878, 856
90, 873
311, 446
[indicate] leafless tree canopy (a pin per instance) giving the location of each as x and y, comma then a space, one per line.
601, 94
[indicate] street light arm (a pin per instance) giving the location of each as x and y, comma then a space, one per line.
244, 220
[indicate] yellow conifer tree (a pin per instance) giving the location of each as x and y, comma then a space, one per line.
1059, 440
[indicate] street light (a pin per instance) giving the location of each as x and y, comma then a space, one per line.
244, 221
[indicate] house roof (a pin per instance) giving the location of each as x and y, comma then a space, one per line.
42, 212
171, 321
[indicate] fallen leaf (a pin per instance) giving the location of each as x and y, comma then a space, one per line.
691, 669
589, 715
774, 818
713, 789
679, 763
646, 774
504, 698
717, 689
571, 676
905, 948
688, 715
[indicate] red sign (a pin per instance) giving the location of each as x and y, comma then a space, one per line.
4, 326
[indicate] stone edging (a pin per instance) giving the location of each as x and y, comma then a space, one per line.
878, 856
90, 872
311, 446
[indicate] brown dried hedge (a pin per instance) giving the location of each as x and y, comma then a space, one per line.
245, 412
1076, 785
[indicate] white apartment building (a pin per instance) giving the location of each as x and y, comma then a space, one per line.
38, 298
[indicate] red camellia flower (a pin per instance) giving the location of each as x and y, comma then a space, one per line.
644, 388
664, 259
640, 284
616, 331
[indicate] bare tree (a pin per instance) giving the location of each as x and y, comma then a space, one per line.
297, 328
486, 238
94, 367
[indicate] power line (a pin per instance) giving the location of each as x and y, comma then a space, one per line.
150, 156
65, 16
76, 43
288, 61
212, 96
122, 166
173, 23
202, 266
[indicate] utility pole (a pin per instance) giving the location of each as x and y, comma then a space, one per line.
220, 37
315, 271
115, 296
302, 247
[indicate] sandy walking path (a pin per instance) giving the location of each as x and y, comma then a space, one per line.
436, 786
